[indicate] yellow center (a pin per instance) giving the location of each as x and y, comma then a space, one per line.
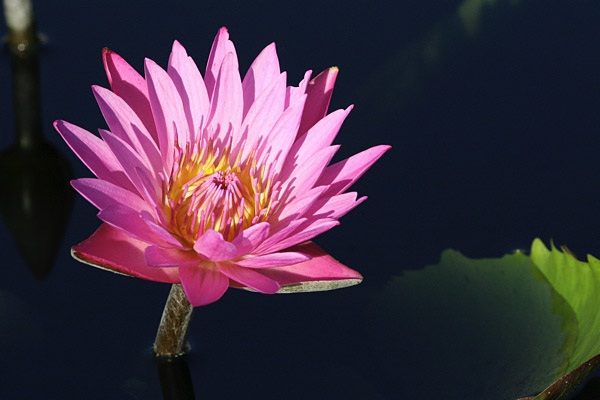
206, 190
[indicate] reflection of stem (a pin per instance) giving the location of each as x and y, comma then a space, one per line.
20, 23
23, 44
174, 324
26, 97
175, 379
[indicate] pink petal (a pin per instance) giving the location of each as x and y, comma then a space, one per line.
167, 109
109, 248
296, 208
278, 233
273, 260
306, 231
190, 85
150, 187
169, 257
249, 278
103, 194
261, 116
203, 284
131, 163
249, 238
227, 101
343, 174
94, 152
130, 222
166, 236
277, 142
306, 175
334, 207
211, 246
264, 69
131, 87
319, 93
124, 123
220, 47
319, 136
322, 272
292, 94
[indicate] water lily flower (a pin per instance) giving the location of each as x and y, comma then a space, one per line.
213, 181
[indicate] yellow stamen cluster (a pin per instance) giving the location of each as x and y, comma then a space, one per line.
210, 189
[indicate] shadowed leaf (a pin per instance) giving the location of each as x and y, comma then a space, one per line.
491, 328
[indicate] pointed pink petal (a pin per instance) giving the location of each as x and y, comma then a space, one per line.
322, 272
169, 257
273, 260
130, 222
277, 143
262, 116
319, 92
278, 233
103, 194
292, 93
307, 174
167, 238
220, 47
124, 123
109, 248
248, 239
227, 102
167, 109
264, 69
319, 136
190, 85
334, 207
211, 246
296, 208
131, 87
215, 58
95, 153
150, 188
203, 284
249, 278
343, 174
304, 232
131, 163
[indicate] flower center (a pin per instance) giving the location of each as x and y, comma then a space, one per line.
207, 190
224, 180
220, 199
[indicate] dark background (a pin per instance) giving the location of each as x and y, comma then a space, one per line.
493, 118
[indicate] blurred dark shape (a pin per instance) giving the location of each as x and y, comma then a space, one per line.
175, 378
20, 22
401, 80
36, 199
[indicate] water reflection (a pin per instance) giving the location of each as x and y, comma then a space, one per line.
36, 199
175, 378
402, 78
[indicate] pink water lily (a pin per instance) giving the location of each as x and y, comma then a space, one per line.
216, 181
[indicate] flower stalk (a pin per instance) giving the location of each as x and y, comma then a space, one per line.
171, 338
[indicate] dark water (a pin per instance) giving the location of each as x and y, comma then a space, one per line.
493, 119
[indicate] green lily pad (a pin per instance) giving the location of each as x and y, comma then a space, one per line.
500, 328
